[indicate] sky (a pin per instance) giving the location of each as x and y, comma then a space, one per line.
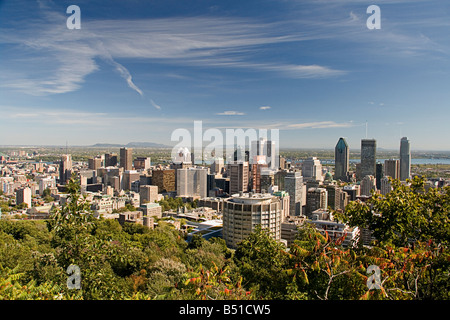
138, 70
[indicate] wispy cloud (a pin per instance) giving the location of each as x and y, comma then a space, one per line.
67, 57
320, 125
264, 108
155, 105
231, 113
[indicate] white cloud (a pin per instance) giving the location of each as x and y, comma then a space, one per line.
155, 105
67, 57
264, 108
231, 113
320, 125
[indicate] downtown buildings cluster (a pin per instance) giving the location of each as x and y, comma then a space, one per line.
231, 198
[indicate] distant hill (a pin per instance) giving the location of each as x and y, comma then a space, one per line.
131, 145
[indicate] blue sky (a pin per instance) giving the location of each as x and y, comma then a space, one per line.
137, 70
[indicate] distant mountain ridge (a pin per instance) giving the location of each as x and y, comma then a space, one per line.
131, 145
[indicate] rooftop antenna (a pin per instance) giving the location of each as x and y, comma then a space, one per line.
66, 148
366, 129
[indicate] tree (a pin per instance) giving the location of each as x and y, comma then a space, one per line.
261, 261
404, 215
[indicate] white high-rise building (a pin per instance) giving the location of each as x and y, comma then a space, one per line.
385, 185
243, 212
293, 184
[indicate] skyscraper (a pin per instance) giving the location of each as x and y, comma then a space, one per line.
368, 157
405, 159
293, 184
110, 159
312, 169
238, 173
126, 158
392, 168
316, 198
65, 168
341, 160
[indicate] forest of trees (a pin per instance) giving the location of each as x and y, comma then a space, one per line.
131, 261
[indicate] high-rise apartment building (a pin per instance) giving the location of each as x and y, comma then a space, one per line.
293, 185
65, 168
126, 158
368, 157
239, 176
405, 159
23, 195
243, 212
341, 160
392, 168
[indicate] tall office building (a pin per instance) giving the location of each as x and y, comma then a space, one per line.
368, 157
256, 169
316, 198
312, 169
110, 159
392, 168
293, 184
94, 163
239, 174
164, 179
65, 168
126, 158
379, 174
242, 213
192, 182
142, 163
341, 160
405, 159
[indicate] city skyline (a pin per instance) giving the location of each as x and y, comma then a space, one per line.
311, 69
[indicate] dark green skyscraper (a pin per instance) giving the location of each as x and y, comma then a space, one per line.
341, 160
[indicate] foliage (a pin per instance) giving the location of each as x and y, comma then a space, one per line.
131, 261
404, 215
